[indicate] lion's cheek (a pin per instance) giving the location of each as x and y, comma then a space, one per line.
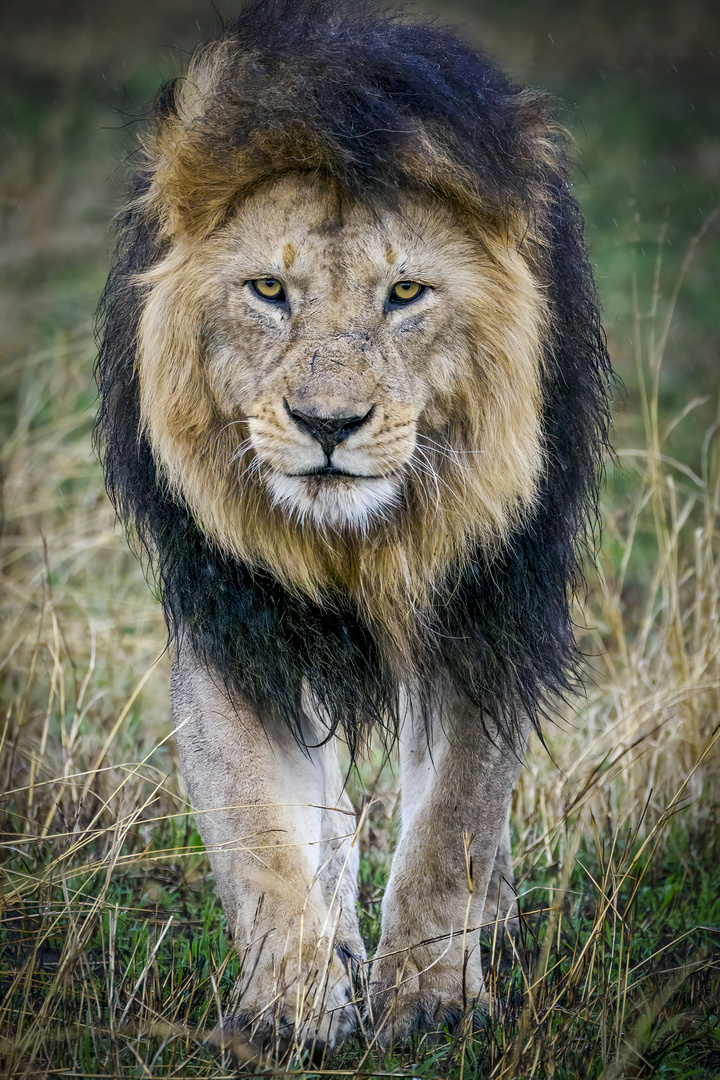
233, 382
390, 450
285, 456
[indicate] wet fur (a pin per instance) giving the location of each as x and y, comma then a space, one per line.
375, 106
427, 596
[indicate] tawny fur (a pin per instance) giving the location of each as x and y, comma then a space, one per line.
454, 381
415, 578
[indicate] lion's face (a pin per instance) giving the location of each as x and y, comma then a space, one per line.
335, 372
340, 372
324, 368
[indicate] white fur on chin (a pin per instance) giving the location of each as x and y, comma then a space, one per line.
333, 502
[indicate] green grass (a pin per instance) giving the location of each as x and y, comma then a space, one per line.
624, 960
114, 957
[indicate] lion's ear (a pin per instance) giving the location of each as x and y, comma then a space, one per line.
544, 140
537, 120
190, 189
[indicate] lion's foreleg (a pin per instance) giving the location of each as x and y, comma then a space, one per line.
279, 848
500, 911
456, 790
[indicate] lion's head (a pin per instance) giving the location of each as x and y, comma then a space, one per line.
353, 378
324, 375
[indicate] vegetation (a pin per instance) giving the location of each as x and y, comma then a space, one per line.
114, 961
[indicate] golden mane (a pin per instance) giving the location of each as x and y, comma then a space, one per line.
475, 471
467, 573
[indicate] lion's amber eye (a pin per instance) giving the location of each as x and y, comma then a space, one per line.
269, 288
403, 291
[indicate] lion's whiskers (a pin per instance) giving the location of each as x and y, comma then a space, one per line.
422, 459
254, 467
240, 449
453, 453
230, 423
418, 472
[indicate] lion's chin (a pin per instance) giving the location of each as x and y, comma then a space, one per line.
334, 502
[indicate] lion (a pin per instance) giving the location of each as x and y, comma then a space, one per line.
354, 401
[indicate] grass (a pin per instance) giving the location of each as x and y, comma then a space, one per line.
114, 958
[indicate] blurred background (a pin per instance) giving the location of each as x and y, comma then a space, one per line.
97, 845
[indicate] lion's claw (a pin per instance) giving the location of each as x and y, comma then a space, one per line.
423, 1010
286, 1010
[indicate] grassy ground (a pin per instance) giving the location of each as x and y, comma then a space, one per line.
114, 958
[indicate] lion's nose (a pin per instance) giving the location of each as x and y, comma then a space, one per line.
329, 430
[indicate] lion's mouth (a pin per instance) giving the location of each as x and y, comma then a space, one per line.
332, 471
333, 498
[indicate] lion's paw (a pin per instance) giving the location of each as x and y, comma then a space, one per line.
288, 1007
424, 1010
403, 1000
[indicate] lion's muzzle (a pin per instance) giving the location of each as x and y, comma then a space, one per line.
329, 431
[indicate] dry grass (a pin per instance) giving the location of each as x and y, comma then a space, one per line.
115, 962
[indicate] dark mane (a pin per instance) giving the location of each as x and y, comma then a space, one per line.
350, 89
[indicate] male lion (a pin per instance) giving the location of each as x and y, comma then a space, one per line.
354, 398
